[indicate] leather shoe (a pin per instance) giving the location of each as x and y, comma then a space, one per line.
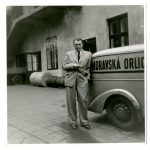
86, 126
74, 126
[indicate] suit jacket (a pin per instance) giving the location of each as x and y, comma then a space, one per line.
84, 70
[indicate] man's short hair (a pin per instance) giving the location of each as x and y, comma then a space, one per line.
78, 39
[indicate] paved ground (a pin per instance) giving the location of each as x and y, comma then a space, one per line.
38, 115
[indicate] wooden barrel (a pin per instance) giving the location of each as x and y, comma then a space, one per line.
55, 81
58, 81
39, 78
51, 81
62, 80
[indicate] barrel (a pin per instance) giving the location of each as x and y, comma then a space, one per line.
39, 78
55, 81
51, 81
61, 82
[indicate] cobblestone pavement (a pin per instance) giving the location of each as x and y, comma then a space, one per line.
38, 115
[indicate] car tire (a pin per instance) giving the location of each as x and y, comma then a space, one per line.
17, 79
122, 113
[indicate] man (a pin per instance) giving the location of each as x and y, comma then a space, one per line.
77, 64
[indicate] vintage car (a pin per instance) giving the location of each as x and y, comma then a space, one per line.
117, 85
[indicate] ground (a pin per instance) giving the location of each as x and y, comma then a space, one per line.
38, 115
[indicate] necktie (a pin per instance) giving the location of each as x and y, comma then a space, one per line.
78, 56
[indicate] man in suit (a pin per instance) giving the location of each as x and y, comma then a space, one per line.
77, 66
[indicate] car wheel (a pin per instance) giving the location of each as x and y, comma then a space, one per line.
121, 112
17, 79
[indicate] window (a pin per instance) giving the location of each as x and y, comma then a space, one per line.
51, 53
20, 60
118, 31
90, 45
33, 61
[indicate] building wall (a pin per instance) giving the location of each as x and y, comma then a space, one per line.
87, 22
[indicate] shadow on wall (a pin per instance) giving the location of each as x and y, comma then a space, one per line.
60, 13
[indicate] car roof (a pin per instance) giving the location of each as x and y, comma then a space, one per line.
120, 50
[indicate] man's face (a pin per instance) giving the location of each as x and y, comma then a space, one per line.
78, 45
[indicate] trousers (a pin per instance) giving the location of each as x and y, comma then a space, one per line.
77, 94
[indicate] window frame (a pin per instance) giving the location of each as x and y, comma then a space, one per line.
124, 34
38, 54
53, 62
88, 41
24, 64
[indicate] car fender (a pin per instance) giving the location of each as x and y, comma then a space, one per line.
97, 105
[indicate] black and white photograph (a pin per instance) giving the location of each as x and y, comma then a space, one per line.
75, 74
